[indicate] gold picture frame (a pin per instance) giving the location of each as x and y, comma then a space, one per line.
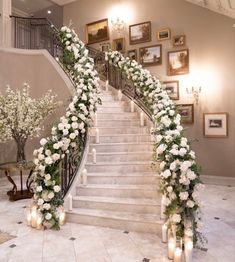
151, 55
178, 62
97, 31
119, 44
140, 33
164, 34
172, 89
187, 113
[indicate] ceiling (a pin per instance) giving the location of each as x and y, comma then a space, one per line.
62, 2
31, 6
225, 7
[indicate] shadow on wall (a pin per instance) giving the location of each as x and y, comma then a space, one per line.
42, 73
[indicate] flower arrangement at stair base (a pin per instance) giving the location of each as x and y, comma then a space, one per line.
21, 116
180, 178
66, 135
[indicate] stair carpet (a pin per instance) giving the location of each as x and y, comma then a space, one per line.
121, 190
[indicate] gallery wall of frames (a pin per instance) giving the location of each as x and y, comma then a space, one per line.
189, 49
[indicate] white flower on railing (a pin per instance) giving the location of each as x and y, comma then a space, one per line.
179, 171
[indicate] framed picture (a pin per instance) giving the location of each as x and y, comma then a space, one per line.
119, 44
105, 47
187, 113
97, 31
178, 62
151, 55
179, 40
140, 33
215, 124
164, 34
132, 54
172, 89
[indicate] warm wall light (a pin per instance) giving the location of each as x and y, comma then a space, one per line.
118, 25
195, 91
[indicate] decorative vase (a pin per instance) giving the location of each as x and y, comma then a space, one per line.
20, 150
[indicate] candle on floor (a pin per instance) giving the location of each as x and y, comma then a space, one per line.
94, 156
84, 177
28, 218
107, 85
70, 200
119, 95
39, 223
141, 119
132, 106
164, 233
188, 250
62, 217
171, 247
163, 207
34, 217
178, 255
95, 119
97, 136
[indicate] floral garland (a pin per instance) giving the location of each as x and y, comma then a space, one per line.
65, 135
180, 180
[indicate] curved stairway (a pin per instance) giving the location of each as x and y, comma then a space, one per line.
122, 189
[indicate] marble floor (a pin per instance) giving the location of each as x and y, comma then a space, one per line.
82, 243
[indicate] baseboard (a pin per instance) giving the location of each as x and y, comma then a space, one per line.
218, 180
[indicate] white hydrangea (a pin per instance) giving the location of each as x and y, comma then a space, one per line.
183, 195
48, 216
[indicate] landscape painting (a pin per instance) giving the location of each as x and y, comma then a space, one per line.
97, 31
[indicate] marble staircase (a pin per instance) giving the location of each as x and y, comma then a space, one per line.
122, 188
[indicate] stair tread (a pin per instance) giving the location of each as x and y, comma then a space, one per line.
137, 217
119, 200
123, 143
120, 163
142, 174
120, 186
122, 153
131, 134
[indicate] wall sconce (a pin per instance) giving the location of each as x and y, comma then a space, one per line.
118, 25
195, 91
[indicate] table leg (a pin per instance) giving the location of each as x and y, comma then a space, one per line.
14, 189
28, 184
21, 182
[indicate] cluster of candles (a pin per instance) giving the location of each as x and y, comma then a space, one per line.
175, 245
34, 218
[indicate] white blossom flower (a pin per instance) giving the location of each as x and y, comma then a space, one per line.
43, 141
40, 201
182, 151
39, 189
57, 188
169, 189
47, 177
51, 195
47, 206
48, 160
48, 216
176, 218
183, 195
190, 203
161, 148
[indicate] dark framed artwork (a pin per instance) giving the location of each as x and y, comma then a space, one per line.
179, 40
151, 55
187, 113
172, 89
119, 44
164, 34
215, 124
178, 62
97, 31
104, 47
132, 54
140, 33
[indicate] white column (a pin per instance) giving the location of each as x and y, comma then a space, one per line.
5, 23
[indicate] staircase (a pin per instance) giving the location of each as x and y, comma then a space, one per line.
122, 189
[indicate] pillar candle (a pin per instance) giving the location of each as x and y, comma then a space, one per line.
95, 119
97, 136
164, 233
132, 106
119, 95
39, 223
62, 218
141, 119
94, 156
34, 217
70, 200
29, 219
178, 255
171, 247
84, 177
188, 251
107, 85
163, 207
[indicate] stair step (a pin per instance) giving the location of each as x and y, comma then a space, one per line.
118, 116
121, 156
113, 103
113, 219
118, 123
111, 190
110, 109
122, 138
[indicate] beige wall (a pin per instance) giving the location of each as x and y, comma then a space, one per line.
211, 42
42, 73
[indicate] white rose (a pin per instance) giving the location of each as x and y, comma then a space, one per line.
177, 119
74, 118
161, 148
185, 166
56, 157
40, 201
48, 160
41, 156
51, 195
183, 195
166, 173
159, 138
56, 146
47, 206
48, 216
57, 189
47, 177
182, 151
162, 165
169, 189
174, 152
43, 141
171, 112
74, 125
191, 175
176, 218
72, 136
173, 166
39, 188
190, 203
192, 154
60, 126
65, 132
48, 152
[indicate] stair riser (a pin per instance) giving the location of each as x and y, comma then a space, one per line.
122, 148
118, 116
144, 209
115, 192
143, 156
110, 110
124, 130
118, 168
122, 180
123, 139
113, 104
114, 223
117, 123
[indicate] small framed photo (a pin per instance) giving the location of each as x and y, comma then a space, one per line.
140, 33
179, 40
97, 31
132, 54
151, 55
215, 124
187, 113
178, 62
105, 47
119, 44
172, 89
164, 34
